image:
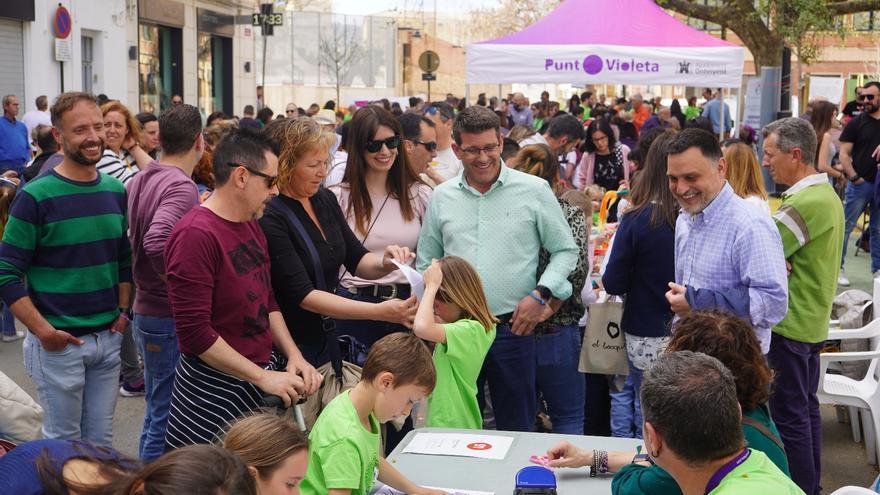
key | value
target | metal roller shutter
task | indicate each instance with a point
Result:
(11, 60)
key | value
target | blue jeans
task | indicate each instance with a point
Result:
(77, 386)
(558, 379)
(510, 370)
(8, 323)
(626, 407)
(856, 197)
(157, 342)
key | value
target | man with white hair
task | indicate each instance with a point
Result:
(291, 111)
(659, 119)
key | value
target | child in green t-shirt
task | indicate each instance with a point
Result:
(464, 333)
(344, 456)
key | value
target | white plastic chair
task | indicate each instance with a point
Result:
(863, 394)
(853, 490)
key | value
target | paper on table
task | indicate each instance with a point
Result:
(416, 282)
(459, 444)
(387, 490)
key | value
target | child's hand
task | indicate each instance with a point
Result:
(433, 275)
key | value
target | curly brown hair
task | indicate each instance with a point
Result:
(732, 341)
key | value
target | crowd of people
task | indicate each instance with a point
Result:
(218, 265)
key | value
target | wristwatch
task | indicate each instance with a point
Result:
(545, 292)
(642, 457)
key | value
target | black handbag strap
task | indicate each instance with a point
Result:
(328, 326)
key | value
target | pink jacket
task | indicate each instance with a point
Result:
(588, 163)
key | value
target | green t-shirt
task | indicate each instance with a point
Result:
(810, 221)
(342, 453)
(635, 479)
(757, 475)
(691, 112)
(453, 404)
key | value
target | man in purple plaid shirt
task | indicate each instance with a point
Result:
(728, 254)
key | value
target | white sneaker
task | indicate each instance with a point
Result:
(842, 280)
(19, 334)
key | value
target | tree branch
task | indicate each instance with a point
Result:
(691, 9)
(853, 6)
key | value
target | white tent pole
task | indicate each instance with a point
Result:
(467, 94)
(721, 118)
(739, 106)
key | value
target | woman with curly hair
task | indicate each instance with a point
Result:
(558, 339)
(732, 341)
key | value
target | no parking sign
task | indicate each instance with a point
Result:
(63, 22)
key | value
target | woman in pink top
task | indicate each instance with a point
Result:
(383, 201)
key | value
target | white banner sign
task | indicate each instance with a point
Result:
(752, 110)
(827, 88)
(604, 64)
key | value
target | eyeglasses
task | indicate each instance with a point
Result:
(866, 97)
(492, 148)
(271, 180)
(599, 139)
(375, 145)
(429, 145)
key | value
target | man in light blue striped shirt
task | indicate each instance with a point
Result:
(498, 219)
(728, 254)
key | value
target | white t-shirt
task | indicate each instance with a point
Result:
(759, 203)
(337, 169)
(447, 164)
(535, 138)
(33, 119)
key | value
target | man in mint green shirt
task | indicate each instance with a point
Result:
(498, 219)
(811, 223)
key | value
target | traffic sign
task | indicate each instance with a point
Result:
(62, 22)
(429, 61)
(427, 76)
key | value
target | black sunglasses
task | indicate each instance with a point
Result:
(375, 145)
(429, 145)
(271, 180)
(865, 97)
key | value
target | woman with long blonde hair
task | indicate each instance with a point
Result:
(454, 295)
(744, 175)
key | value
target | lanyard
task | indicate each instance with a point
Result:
(724, 470)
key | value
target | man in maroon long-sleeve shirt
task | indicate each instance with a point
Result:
(157, 199)
(225, 313)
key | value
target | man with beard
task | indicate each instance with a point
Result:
(728, 255)
(499, 219)
(225, 314)
(859, 143)
(519, 111)
(67, 235)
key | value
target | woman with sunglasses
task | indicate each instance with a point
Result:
(306, 294)
(383, 201)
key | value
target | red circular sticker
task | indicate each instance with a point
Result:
(479, 446)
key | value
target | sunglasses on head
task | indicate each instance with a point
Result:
(271, 180)
(375, 145)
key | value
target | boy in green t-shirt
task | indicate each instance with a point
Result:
(465, 331)
(344, 457)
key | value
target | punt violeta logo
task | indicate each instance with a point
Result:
(594, 64)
